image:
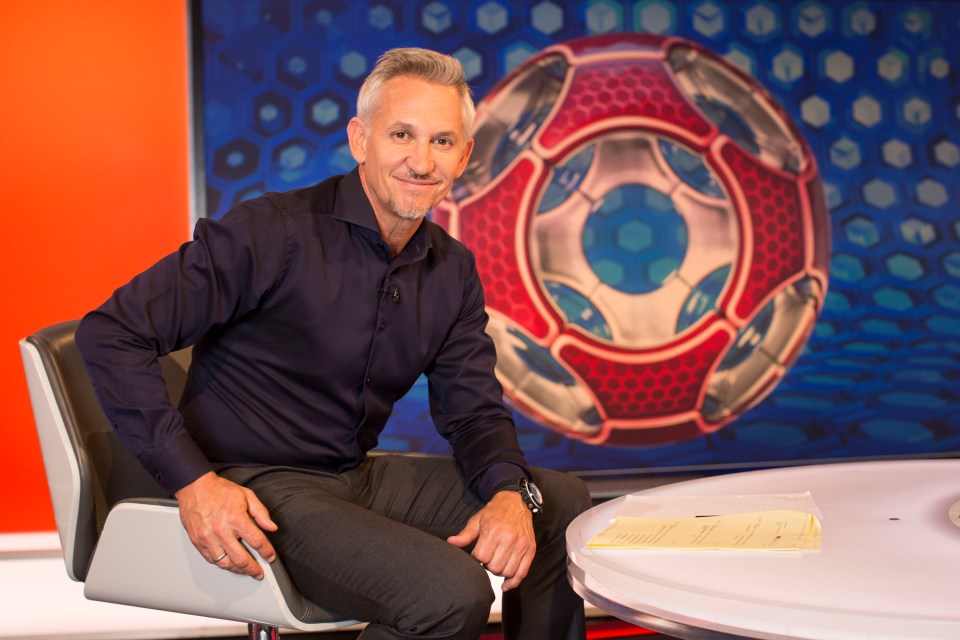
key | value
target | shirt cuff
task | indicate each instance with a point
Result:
(497, 473)
(176, 463)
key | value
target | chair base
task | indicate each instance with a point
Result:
(262, 632)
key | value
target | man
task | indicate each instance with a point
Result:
(311, 312)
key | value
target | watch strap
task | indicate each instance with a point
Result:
(527, 490)
(511, 484)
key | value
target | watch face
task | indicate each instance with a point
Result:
(534, 495)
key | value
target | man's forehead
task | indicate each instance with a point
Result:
(417, 103)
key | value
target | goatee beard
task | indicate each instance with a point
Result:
(409, 211)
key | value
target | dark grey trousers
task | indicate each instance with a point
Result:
(370, 544)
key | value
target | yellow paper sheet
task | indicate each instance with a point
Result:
(775, 530)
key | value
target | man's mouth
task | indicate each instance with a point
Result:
(417, 181)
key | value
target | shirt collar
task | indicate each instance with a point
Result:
(352, 205)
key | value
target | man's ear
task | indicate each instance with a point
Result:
(465, 157)
(357, 136)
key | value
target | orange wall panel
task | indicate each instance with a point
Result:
(94, 165)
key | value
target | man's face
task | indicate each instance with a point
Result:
(411, 149)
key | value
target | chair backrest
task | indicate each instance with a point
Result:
(88, 469)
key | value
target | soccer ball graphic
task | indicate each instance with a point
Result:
(651, 233)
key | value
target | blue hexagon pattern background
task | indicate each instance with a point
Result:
(873, 86)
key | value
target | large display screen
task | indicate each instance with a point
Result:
(712, 235)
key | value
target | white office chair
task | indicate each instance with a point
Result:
(120, 534)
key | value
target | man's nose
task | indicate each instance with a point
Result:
(420, 161)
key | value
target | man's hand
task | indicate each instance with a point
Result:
(503, 531)
(217, 515)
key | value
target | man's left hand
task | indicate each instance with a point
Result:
(503, 532)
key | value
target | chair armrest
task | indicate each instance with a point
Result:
(144, 558)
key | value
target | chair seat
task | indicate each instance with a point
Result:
(144, 558)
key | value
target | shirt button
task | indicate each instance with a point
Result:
(382, 326)
(368, 380)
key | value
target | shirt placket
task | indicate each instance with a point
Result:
(388, 294)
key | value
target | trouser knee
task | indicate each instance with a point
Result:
(564, 497)
(457, 606)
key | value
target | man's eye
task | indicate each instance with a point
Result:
(401, 135)
(443, 142)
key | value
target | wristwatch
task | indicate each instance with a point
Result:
(527, 490)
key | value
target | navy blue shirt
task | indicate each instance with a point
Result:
(306, 332)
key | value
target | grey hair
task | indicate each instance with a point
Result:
(424, 64)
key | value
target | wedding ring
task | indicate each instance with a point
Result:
(219, 558)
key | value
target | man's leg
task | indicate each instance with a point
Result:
(360, 564)
(545, 606)
(377, 537)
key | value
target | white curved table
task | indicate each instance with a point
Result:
(889, 567)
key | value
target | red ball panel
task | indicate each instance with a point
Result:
(489, 227)
(624, 88)
(650, 388)
(775, 221)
